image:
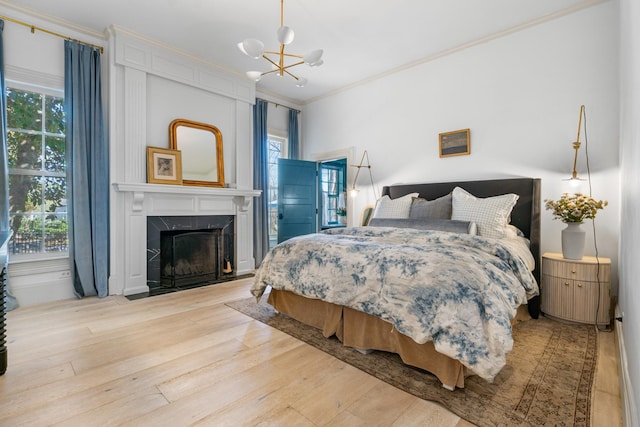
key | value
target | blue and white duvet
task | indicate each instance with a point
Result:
(457, 290)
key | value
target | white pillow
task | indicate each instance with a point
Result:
(512, 232)
(490, 214)
(394, 208)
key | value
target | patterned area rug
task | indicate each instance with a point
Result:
(548, 378)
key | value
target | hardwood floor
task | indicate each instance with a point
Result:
(187, 359)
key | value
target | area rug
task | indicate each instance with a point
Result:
(548, 378)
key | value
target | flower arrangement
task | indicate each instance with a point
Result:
(341, 211)
(575, 207)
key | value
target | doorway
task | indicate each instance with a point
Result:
(332, 189)
(336, 163)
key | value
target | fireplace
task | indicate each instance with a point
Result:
(135, 250)
(189, 251)
(190, 257)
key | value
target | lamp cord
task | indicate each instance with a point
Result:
(593, 222)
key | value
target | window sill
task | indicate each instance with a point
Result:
(26, 266)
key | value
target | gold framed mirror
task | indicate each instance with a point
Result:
(201, 148)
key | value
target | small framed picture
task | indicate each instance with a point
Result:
(164, 166)
(455, 143)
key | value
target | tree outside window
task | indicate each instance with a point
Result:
(37, 172)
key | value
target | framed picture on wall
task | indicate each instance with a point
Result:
(455, 143)
(164, 166)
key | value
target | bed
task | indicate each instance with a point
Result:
(442, 296)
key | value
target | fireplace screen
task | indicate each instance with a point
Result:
(190, 257)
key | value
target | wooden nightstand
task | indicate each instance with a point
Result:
(570, 288)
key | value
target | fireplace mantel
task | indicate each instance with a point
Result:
(241, 197)
(141, 200)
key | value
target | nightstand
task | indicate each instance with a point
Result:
(570, 288)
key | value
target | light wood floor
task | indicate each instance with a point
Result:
(187, 359)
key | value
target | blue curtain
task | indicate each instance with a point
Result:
(10, 300)
(88, 165)
(294, 138)
(260, 181)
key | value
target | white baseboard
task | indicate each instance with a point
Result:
(629, 410)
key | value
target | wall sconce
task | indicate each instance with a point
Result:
(576, 146)
(354, 191)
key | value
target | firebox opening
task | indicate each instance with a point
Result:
(184, 252)
(190, 257)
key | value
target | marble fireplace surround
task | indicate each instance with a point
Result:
(143, 200)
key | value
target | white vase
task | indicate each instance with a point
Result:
(573, 241)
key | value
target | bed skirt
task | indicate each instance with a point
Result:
(366, 332)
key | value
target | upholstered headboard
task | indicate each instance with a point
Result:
(525, 214)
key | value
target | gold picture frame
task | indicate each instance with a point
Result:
(455, 143)
(164, 166)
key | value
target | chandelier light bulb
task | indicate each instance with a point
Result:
(254, 75)
(253, 48)
(301, 82)
(285, 35)
(314, 58)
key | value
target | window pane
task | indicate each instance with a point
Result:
(24, 151)
(27, 235)
(25, 195)
(55, 233)
(55, 193)
(275, 152)
(54, 119)
(55, 160)
(24, 110)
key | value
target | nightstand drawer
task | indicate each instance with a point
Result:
(575, 270)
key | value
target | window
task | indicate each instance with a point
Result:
(332, 192)
(277, 149)
(37, 172)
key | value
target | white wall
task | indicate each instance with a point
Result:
(630, 188)
(520, 95)
(168, 100)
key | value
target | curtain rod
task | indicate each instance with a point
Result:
(53, 33)
(279, 105)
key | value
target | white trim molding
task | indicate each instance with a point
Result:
(629, 409)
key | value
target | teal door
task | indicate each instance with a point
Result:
(297, 197)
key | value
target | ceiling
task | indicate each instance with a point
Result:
(360, 40)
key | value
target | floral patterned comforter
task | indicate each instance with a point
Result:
(457, 290)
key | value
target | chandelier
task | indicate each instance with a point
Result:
(255, 49)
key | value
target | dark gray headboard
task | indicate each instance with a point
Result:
(525, 215)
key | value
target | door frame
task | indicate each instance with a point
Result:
(349, 154)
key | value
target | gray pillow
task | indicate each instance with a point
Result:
(462, 227)
(439, 208)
